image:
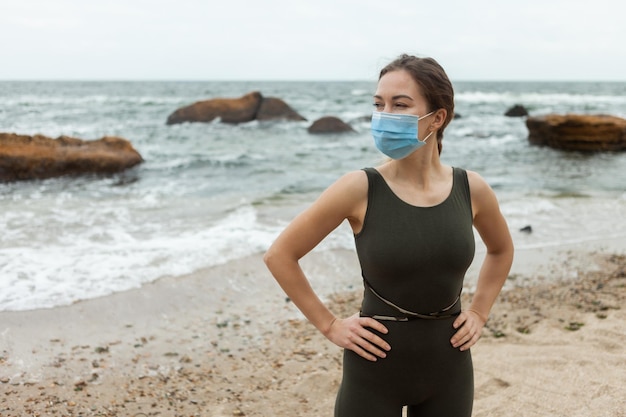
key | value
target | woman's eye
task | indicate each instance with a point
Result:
(378, 105)
(401, 105)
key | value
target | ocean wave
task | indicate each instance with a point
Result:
(107, 258)
(539, 99)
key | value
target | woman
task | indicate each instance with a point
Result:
(412, 219)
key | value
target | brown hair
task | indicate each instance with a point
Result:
(434, 83)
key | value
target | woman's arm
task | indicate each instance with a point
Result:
(345, 199)
(494, 232)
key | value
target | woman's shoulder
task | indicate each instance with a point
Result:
(347, 194)
(483, 197)
(353, 181)
(476, 182)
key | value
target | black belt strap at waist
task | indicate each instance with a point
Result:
(411, 315)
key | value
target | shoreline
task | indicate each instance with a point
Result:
(62, 274)
(205, 344)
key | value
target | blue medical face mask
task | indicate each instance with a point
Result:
(395, 134)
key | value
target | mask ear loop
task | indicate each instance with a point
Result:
(426, 138)
(420, 118)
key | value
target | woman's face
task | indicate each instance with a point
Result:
(397, 92)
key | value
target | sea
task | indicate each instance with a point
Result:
(211, 193)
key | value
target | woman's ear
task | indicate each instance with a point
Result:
(440, 118)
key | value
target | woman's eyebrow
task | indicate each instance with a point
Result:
(399, 96)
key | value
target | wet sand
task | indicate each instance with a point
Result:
(199, 345)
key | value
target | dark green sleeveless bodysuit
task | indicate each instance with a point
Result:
(413, 262)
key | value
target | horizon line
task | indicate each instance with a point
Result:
(469, 80)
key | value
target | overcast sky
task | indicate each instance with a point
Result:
(310, 40)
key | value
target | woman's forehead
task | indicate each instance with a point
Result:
(398, 82)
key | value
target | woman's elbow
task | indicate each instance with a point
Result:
(274, 256)
(269, 257)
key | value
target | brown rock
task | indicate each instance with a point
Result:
(578, 132)
(516, 111)
(329, 124)
(229, 110)
(36, 157)
(276, 109)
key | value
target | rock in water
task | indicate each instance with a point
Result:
(229, 110)
(25, 157)
(329, 124)
(578, 132)
(273, 108)
(516, 111)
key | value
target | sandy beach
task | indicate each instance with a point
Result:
(198, 345)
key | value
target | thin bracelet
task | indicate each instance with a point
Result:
(480, 316)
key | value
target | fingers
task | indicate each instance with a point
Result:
(367, 350)
(466, 341)
(366, 343)
(353, 333)
(469, 331)
(374, 324)
(369, 341)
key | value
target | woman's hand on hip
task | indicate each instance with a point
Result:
(469, 325)
(353, 333)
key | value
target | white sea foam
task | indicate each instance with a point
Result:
(559, 221)
(95, 251)
(113, 256)
(537, 98)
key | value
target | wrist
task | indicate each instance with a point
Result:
(329, 326)
(483, 317)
